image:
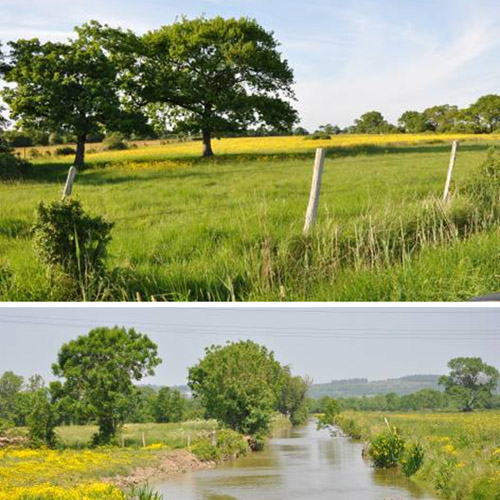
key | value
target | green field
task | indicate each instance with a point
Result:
(461, 450)
(230, 228)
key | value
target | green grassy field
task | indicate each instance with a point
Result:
(462, 450)
(230, 228)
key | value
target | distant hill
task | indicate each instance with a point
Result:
(365, 387)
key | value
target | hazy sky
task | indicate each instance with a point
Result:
(348, 57)
(327, 343)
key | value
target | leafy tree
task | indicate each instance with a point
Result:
(215, 75)
(485, 112)
(70, 88)
(42, 419)
(413, 122)
(10, 388)
(329, 129)
(371, 122)
(292, 400)
(470, 382)
(169, 406)
(442, 118)
(238, 385)
(99, 369)
(331, 409)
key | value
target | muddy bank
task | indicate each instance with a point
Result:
(170, 462)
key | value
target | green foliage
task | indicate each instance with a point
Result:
(413, 459)
(238, 385)
(13, 168)
(99, 370)
(168, 406)
(414, 122)
(387, 449)
(68, 239)
(292, 400)
(144, 492)
(485, 112)
(10, 387)
(470, 382)
(216, 75)
(42, 420)
(65, 151)
(114, 142)
(330, 412)
(484, 186)
(70, 88)
(372, 122)
(228, 444)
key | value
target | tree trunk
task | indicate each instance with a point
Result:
(207, 144)
(80, 150)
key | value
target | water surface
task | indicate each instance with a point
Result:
(300, 464)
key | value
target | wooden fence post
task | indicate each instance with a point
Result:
(214, 438)
(453, 157)
(312, 207)
(69, 182)
(143, 440)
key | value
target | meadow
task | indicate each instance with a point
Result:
(77, 472)
(230, 228)
(462, 450)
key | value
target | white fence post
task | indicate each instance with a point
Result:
(312, 207)
(453, 157)
(69, 182)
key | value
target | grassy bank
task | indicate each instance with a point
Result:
(229, 228)
(462, 451)
(76, 472)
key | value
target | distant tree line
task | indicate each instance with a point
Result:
(239, 384)
(469, 386)
(481, 117)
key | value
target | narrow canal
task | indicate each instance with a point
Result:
(299, 464)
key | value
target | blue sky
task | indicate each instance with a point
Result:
(348, 57)
(324, 343)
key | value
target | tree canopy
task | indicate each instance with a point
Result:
(238, 384)
(70, 87)
(471, 382)
(215, 75)
(98, 371)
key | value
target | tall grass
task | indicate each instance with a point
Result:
(230, 229)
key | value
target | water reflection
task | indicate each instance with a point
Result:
(301, 464)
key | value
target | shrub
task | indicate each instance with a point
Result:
(387, 449)
(114, 141)
(65, 151)
(144, 492)
(41, 420)
(413, 459)
(68, 238)
(206, 451)
(12, 168)
(317, 136)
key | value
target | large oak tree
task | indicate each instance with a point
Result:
(70, 87)
(212, 76)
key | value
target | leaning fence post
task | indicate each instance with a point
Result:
(453, 157)
(312, 207)
(69, 182)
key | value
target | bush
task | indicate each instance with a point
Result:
(413, 459)
(229, 444)
(42, 421)
(386, 450)
(206, 451)
(65, 151)
(114, 141)
(317, 136)
(12, 168)
(68, 238)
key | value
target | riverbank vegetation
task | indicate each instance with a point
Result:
(72, 440)
(461, 450)
(382, 233)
